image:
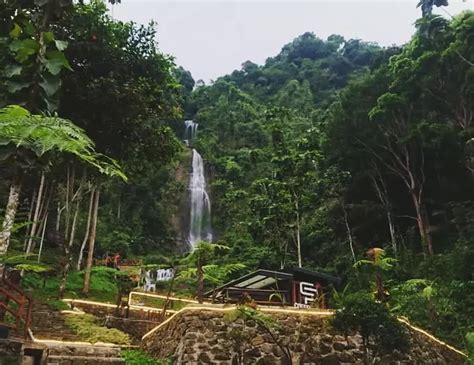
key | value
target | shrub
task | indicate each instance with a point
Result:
(381, 332)
(470, 347)
(445, 308)
(87, 327)
(137, 357)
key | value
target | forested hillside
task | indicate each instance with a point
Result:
(109, 78)
(336, 155)
(337, 146)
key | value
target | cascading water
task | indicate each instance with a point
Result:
(200, 212)
(200, 221)
(190, 132)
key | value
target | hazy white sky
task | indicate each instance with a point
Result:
(213, 38)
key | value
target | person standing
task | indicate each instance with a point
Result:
(116, 261)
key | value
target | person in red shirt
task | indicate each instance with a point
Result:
(116, 260)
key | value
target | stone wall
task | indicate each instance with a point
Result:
(134, 327)
(197, 336)
(110, 310)
(11, 352)
(14, 351)
(136, 324)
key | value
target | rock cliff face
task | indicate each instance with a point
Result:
(180, 218)
(207, 337)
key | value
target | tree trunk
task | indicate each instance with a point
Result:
(298, 234)
(119, 208)
(391, 228)
(70, 196)
(42, 237)
(67, 251)
(43, 213)
(30, 215)
(118, 300)
(36, 215)
(90, 254)
(423, 225)
(10, 213)
(379, 285)
(88, 225)
(349, 233)
(383, 197)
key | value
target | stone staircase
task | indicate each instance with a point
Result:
(14, 350)
(74, 353)
(49, 324)
(65, 348)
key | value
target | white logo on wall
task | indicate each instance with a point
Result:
(308, 294)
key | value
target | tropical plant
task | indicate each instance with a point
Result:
(26, 134)
(381, 332)
(470, 347)
(214, 274)
(442, 307)
(36, 57)
(199, 257)
(27, 139)
(427, 5)
(379, 262)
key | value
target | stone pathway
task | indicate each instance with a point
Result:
(65, 347)
(63, 353)
(49, 324)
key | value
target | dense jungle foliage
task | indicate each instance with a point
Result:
(330, 149)
(337, 146)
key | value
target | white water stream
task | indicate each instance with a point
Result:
(190, 132)
(200, 204)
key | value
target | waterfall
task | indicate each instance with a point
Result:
(200, 204)
(190, 132)
(200, 220)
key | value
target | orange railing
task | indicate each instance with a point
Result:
(16, 303)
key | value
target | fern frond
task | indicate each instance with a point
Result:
(41, 135)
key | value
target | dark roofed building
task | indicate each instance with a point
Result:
(299, 288)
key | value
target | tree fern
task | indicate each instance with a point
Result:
(40, 135)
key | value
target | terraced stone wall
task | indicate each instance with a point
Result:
(208, 337)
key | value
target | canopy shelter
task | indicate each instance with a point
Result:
(300, 288)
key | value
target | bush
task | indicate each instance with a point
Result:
(381, 332)
(87, 327)
(137, 357)
(470, 347)
(445, 308)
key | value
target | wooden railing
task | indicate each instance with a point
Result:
(15, 302)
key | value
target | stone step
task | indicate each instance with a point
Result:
(84, 360)
(50, 324)
(72, 349)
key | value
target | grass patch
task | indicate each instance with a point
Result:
(57, 305)
(157, 302)
(138, 357)
(103, 287)
(88, 328)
